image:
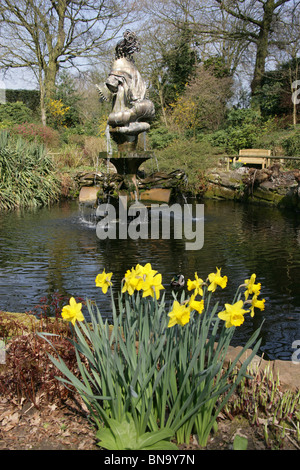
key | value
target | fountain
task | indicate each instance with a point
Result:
(130, 117)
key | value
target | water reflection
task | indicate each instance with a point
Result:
(55, 250)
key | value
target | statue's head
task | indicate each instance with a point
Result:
(127, 46)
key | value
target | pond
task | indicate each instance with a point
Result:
(56, 250)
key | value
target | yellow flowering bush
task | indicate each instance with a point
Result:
(57, 111)
(156, 370)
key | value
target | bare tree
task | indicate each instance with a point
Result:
(259, 17)
(45, 35)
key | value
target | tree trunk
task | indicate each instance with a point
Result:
(294, 100)
(262, 47)
(48, 88)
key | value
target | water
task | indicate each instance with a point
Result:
(56, 250)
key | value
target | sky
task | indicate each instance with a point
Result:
(18, 79)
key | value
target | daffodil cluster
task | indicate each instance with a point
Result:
(149, 281)
(143, 278)
(252, 288)
(180, 313)
(233, 315)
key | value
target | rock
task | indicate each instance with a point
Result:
(88, 194)
(268, 186)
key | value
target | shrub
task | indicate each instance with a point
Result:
(92, 147)
(191, 156)
(232, 140)
(161, 137)
(37, 133)
(27, 174)
(5, 124)
(28, 373)
(291, 145)
(15, 112)
(241, 131)
(57, 113)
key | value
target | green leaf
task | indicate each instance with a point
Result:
(240, 443)
(123, 436)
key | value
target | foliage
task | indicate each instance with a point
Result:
(275, 95)
(291, 145)
(190, 155)
(240, 443)
(30, 98)
(28, 373)
(202, 105)
(67, 93)
(27, 174)
(164, 370)
(37, 133)
(241, 130)
(57, 113)
(160, 137)
(123, 436)
(5, 124)
(180, 60)
(263, 402)
(15, 113)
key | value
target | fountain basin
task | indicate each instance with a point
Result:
(126, 163)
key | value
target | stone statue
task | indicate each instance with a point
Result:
(131, 110)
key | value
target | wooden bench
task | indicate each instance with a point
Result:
(254, 156)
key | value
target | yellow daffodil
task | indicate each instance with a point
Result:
(197, 305)
(179, 315)
(196, 285)
(255, 303)
(233, 315)
(152, 285)
(72, 312)
(147, 270)
(216, 279)
(131, 281)
(251, 287)
(103, 280)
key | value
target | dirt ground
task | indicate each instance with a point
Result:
(65, 427)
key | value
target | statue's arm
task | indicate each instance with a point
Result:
(104, 93)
